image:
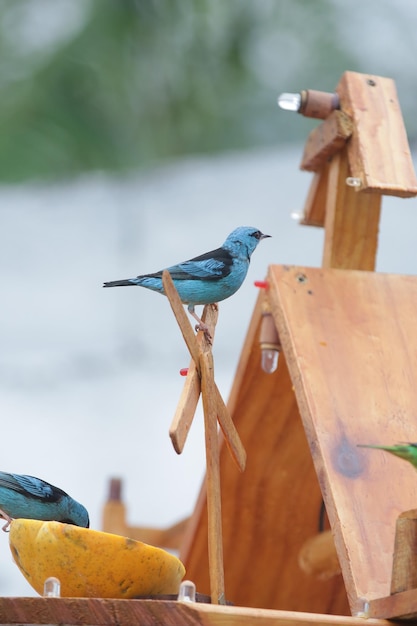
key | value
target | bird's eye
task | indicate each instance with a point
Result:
(257, 234)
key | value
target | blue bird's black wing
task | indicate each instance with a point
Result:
(35, 487)
(208, 266)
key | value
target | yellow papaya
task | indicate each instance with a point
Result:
(90, 563)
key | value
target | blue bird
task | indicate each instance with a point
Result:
(208, 278)
(28, 497)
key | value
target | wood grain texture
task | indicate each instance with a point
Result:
(350, 340)
(404, 567)
(270, 510)
(199, 348)
(325, 140)
(351, 221)
(184, 414)
(99, 612)
(398, 606)
(315, 205)
(180, 315)
(214, 515)
(378, 149)
(94, 611)
(230, 434)
(186, 408)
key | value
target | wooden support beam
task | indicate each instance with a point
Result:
(315, 206)
(187, 405)
(214, 515)
(199, 348)
(351, 222)
(203, 359)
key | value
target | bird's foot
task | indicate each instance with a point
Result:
(205, 329)
(201, 325)
(8, 519)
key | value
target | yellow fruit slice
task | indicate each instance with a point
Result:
(90, 563)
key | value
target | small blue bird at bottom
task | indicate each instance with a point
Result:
(208, 278)
(27, 497)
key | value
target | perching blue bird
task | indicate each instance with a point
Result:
(208, 278)
(28, 497)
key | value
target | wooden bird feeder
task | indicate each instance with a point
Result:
(315, 530)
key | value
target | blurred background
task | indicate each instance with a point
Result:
(136, 134)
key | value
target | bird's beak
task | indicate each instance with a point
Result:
(265, 236)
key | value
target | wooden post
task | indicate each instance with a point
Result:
(351, 222)
(214, 409)
(215, 534)
(404, 567)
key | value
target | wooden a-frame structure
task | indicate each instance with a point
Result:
(346, 376)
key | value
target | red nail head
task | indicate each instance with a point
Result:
(262, 284)
(184, 371)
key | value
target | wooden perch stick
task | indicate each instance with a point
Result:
(200, 379)
(189, 399)
(181, 317)
(187, 405)
(184, 415)
(215, 534)
(230, 433)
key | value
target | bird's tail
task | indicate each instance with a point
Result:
(119, 283)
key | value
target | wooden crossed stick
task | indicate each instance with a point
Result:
(200, 380)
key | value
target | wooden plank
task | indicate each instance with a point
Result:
(350, 339)
(229, 432)
(199, 348)
(94, 611)
(378, 151)
(315, 206)
(181, 317)
(184, 414)
(214, 514)
(325, 140)
(264, 523)
(186, 408)
(108, 612)
(398, 606)
(351, 221)
(243, 616)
